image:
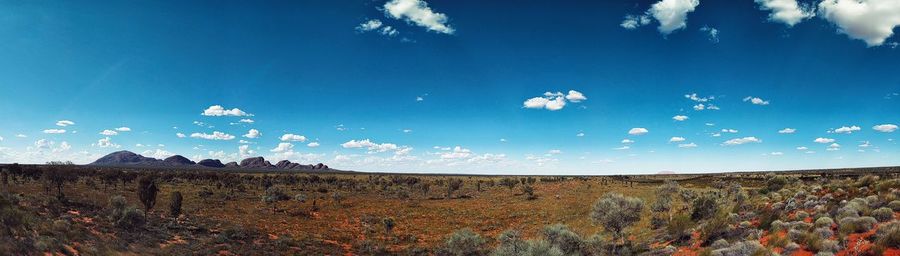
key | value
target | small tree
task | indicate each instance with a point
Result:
(453, 185)
(273, 195)
(147, 191)
(529, 192)
(175, 204)
(388, 224)
(616, 212)
(509, 183)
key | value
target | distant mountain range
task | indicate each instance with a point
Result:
(128, 158)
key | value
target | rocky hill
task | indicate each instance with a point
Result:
(128, 158)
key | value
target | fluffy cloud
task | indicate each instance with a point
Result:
(845, 129)
(418, 12)
(638, 131)
(676, 139)
(313, 144)
(776, 153)
(688, 145)
(885, 127)
(217, 110)
(283, 147)
(787, 130)
(627, 141)
(635, 21)
(802, 148)
(739, 141)
(580, 134)
(834, 147)
(247, 121)
(823, 140)
(554, 101)
(672, 14)
(109, 133)
(106, 143)
(377, 25)
(375, 147)
(123, 129)
(293, 137)
(216, 135)
(729, 130)
(679, 118)
(245, 151)
(55, 131)
(712, 33)
(64, 123)
(180, 135)
(158, 153)
(756, 100)
(872, 21)
(253, 134)
(786, 11)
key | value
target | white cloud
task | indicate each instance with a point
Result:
(55, 131)
(106, 143)
(123, 129)
(216, 135)
(158, 153)
(247, 121)
(283, 147)
(369, 25)
(622, 148)
(180, 135)
(293, 137)
(865, 144)
(802, 148)
(1, 138)
(872, 21)
(638, 131)
(776, 153)
(109, 133)
(788, 12)
(712, 33)
(823, 140)
(787, 130)
(217, 110)
(245, 151)
(313, 144)
(845, 129)
(676, 139)
(575, 96)
(627, 141)
(834, 147)
(21, 136)
(885, 127)
(418, 12)
(407, 130)
(457, 153)
(635, 21)
(252, 133)
(554, 101)
(554, 152)
(64, 123)
(756, 100)
(680, 118)
(729, 130)
(373, 147)
(502, 140)
(43, 144)
(580, 134)
(744, 140)
(420, 98)
(672, 14)
(717, 134)
(688, 145)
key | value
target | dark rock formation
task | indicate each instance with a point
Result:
(232, 165)
(214, 163)
(255, 163)
(125, 157)
(178, 160)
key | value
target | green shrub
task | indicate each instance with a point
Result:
(561, 236)
(511, 244)
(616, 212)
(132, 219)
(464, 242)
(883, 214)
(704, 206)
(888, 235)
(824, 222)
(856, 224)
(175, 204)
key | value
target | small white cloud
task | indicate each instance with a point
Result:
(672, 14)
(823, 140)
(313, 144)
(369, 25)
(106, 143)
(109, 133)
(688, 145)
(627, 141)
(418, 12)
(865, 144)
(676, 139)
(180, 135)
(834, 147)
(635, 21)
(247, 121)
(712, 33)
(252, 133)
(885, 127)
(293, 137)
(802, 148)
(717, 134)
(580, 134)
(845, 129)
(216, 135)
(575, 96)
(123, 129)
(420, 98)
(788, 12)
(756, 100)
(21, 136)
(787, 130)
(55, 131)
(64, 123)
(622, 148)
(638, 131)
(502, 140)
(729, 130)
(739, 141)
(407, 130)
(680, 118)
(217, 110)
(283, 147)
(554, 152)
(776, 153)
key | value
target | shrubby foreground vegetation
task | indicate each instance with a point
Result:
(74, 210)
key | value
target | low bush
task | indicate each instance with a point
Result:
(463, 242)
(856, 224)
(888, 235)
(883, 214)
(566, 240)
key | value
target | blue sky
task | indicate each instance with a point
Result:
(457, 86)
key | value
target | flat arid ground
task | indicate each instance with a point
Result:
(73, 210)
